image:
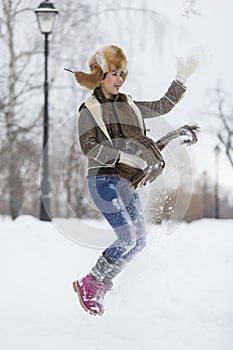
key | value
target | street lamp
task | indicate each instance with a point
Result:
(217, 151)
(46, 14)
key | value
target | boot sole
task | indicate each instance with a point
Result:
(76, 289)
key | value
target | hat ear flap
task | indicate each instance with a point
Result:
(89, 81)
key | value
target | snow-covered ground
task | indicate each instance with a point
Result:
(176, 295)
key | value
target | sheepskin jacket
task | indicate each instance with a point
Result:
(99, 134)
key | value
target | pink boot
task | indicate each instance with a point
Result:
(91, 294)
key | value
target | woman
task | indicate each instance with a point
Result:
(108, 120)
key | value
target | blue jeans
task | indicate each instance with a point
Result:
(120, 205)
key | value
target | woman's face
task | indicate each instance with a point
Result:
(112, 83)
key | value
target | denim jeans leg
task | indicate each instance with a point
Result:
(134, 209)
(120, 205)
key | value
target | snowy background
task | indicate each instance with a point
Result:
(177, 294)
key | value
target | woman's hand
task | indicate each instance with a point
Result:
(186, 68)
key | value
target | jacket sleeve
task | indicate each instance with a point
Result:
(173, 95)
(93, 144)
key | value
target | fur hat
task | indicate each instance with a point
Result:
(107, 59)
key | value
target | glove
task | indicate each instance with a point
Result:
(185, 69)
(132, 160)
(190, 132)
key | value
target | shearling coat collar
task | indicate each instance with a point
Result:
(118, 116)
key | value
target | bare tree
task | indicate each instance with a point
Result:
(190, 8)
(225, 135)
(225, 130)
(16, 89)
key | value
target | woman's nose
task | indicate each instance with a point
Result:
(119, 78)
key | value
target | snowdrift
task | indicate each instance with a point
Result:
(177, 294)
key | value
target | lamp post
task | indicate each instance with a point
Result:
(46, 14)
(216, 192)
